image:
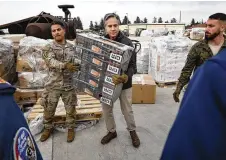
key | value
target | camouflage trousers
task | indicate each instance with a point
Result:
(50, 100)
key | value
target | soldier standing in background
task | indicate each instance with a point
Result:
(59, 58)
(203, 50)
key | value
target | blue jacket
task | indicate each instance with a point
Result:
(15, 137)
(199, 130)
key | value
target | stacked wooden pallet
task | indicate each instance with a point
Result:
(89, 108)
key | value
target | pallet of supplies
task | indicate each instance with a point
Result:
(7, 61)
(167, 57)
(88, 108)
(32, 70)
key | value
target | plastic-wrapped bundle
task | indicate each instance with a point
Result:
(197, 33)
(157, 32)
(7, 61)
(32, 80)
(29, 57)
(167, 58)
(143, 58)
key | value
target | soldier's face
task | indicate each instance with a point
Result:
(58, 32)
(112, 27)
(213, 29)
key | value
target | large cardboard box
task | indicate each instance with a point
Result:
(102, 58)
(144, 89)
(24, 96)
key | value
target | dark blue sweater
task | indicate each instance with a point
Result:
(199, 131)
(14, 131)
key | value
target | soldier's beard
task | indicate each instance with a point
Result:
(212, 36)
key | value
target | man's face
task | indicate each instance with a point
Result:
(112, 27)
(58, 32)
(213, 29)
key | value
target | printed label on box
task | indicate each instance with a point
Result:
(95, 73)
(116, 57)
(105, 100)
(109, 80)
(94, 84)
(113, 69)
(96, 49)
(97, 62)
(108, 91)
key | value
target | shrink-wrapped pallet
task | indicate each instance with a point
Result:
(29, 57)
(167, 58)
(7, 61)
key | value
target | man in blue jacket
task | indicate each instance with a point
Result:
(16, 141)
(199, 131)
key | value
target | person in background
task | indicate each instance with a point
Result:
(201, 51)
(14, 128)
(198, 132)
(61, 62)
(111, 22)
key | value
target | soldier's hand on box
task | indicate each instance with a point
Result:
(71, 67)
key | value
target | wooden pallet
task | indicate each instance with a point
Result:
(89, 108)
(166, 84)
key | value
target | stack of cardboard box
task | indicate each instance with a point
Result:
(101, 59)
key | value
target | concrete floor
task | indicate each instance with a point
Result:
(153, 123)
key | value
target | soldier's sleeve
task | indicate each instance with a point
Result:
(188, 67)
(50, 58)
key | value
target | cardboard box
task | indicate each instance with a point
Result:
(23, 96)
(144, 89)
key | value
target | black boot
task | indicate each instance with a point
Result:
(106, 139)
(135, 139)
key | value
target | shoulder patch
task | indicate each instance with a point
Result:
(23, 145)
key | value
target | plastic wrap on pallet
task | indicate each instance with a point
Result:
(197, 33)
(155, 32)
(101, 58)
(29, 57)
(7, 61)
(143, 58)
(32, 80)
(167, 57)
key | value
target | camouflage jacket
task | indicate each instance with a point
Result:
(56, 56)
(198, 54)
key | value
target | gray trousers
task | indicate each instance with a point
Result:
(126, 108)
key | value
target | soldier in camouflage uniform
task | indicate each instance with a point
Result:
(200, 52)
(61, 62)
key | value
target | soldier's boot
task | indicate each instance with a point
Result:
(46, 134)
(106, 139)
(70, 135)
(135, 139)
